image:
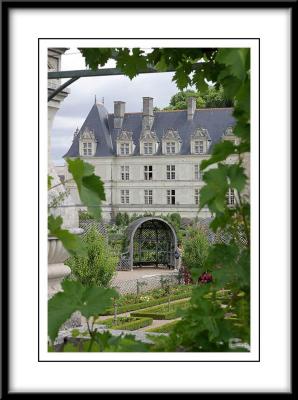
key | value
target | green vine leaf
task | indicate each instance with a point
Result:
(181, 76)
(237, 177)
(220, 152)
(131, 63)
(236, 60)
(90, 301)
(90, 186)
(72, 243)
(214, 192)
(96, 56)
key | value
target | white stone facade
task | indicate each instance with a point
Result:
(128, 174)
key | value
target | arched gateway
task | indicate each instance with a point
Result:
(150, 241)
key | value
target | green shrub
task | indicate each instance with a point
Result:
(126, 323)
(175, 218)
(195, 251)
(99, 266)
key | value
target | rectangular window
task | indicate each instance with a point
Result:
(197, 172)
(148, 148)
(170, 147)
(170, 171)
(124, 196)
(171, 196)
(87, 149)
(148, 174)
(124, 149)
(199, 147)
(125, 172)
(148, 197)
(230, 196)
(196, 196)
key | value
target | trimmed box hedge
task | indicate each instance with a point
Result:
(131, 324)
(146, 304)
(161, 312)
(166, 328)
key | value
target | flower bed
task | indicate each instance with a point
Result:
(152, 295)
(138, 306)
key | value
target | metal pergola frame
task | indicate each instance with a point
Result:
(143, 232)
(76, 74)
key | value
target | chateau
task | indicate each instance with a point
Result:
(149, 161)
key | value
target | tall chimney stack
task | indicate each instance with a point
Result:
(191, 107)
(119, 110)
(147, 112)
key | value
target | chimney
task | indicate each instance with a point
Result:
(119, 110)
(147, 112)
(191, 107)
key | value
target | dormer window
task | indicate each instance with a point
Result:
(148, 148)
(200, 141)
(87, 148)
(199, 147)
(125, 145)
(170, 147)
(171, 142)
(87, 142)
(124, 149)
(148, 142)
(229, 135)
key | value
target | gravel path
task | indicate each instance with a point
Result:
(137, 273)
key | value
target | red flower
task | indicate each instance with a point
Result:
(206, 277)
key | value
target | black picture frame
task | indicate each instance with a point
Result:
(6, 8)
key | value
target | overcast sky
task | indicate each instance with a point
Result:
(75, 108)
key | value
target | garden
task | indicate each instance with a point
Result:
(211, 305)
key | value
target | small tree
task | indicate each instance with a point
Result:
(125, 219)
(196, 248)
(98, 266)
(119, 219)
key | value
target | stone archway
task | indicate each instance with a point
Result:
(150, 241)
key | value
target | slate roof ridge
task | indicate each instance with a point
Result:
(199, 109)
(163, 111)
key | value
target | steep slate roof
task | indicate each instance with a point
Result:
(215, 120)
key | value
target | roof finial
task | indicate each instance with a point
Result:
(95, 99)
(103, 100)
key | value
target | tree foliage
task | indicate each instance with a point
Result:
(212, 98)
